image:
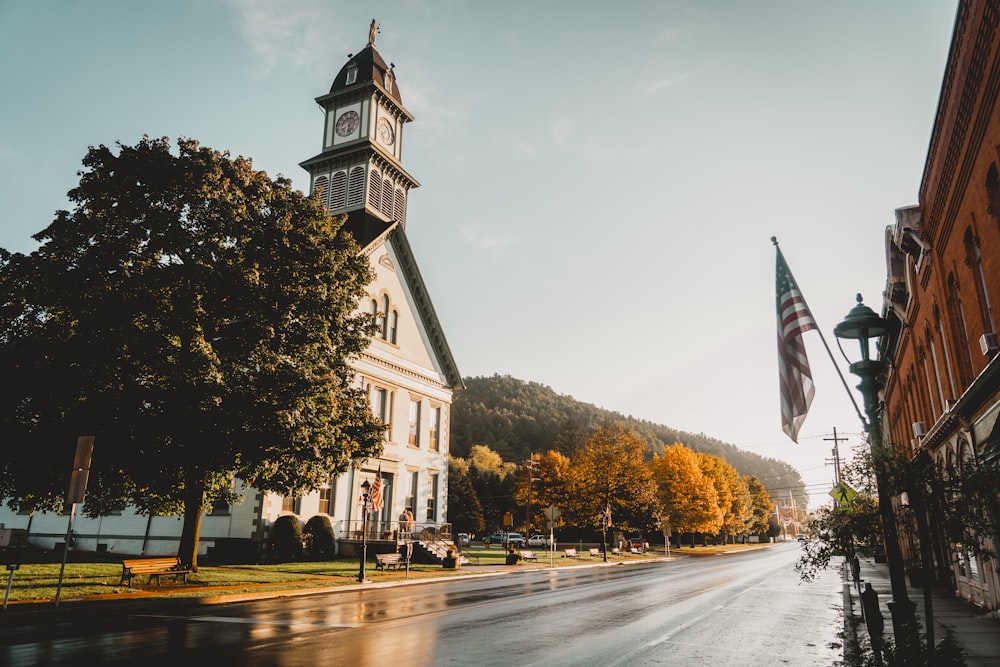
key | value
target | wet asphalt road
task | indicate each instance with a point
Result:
(746, 610)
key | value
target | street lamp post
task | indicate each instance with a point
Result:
(365, 487)
(863, 325)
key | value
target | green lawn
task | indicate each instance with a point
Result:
(83, 578)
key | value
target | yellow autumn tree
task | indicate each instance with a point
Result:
(734, 497)
(687, 499)
(609, 471)
(549, 473)
(761, 506)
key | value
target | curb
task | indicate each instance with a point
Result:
(23, 613)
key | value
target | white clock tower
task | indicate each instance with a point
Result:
(359, 170)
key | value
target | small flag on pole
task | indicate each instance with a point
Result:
(794, 319)
(377, 492)
(607, 515)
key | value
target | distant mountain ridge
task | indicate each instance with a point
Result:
(516, 418)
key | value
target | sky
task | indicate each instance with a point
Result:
(599, 181)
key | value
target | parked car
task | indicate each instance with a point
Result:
(540, 541)
(802, 537)
(499, 538)
(639, 543)
(462, 539)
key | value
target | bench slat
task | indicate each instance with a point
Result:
(389, 560)
(153, 568)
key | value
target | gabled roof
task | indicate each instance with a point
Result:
(421, 297)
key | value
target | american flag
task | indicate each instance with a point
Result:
(794, 319)
(376, 497)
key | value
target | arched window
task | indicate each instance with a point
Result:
(319, 189)
(383, 317)
(400, 206)
(993, 191)
(338, 191)
(960, 332)
(932, 347)
(949, 367)
(974, 260)
(375, 189)
(356, 186)
(387, 198)
(393, 326)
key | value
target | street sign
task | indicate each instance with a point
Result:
(552, 513)
(843, 494)
(508, 519)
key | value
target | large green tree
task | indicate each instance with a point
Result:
(465, 512)
(198, 318)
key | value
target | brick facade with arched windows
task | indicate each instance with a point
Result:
(942, 387)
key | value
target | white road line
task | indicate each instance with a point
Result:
(679, 628)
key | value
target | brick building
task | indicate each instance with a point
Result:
(942, 389)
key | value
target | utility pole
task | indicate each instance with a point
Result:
(531, 466)
(836, 455)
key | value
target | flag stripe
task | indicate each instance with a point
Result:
(377, 494)
(795, 376)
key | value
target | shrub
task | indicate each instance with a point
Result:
(286, 538)
(319, 537)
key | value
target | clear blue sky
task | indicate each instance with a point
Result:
(599, 180)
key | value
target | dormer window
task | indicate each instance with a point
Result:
(352, 75)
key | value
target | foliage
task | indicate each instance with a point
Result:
(840, 532)
(198, 318)
(687, 497)
(493, 482)
(733, 496)
(319, 539)
(285, 538)
(968, 502)
(551, 472)
(516, 419)
(761, 507)
(465, 512)
(609, 471)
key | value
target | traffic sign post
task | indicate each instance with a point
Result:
(552, 514)
(843, 494)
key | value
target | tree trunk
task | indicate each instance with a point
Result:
(194, 506)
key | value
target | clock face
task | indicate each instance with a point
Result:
(385, 133)
(347, 124)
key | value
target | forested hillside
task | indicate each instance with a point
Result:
(516, 418)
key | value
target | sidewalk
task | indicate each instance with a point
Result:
(977, 633)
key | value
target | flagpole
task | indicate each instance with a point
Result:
(829, 353)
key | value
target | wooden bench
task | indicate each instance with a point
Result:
(153, 568)
(595, 553)
(389, 561)
(570, 553)
(528, 555)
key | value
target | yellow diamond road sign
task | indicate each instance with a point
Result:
(843, 494)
